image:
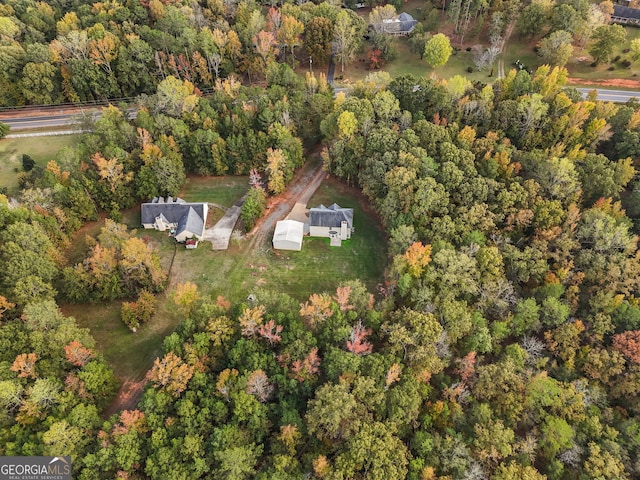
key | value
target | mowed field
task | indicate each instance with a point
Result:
(41, 149)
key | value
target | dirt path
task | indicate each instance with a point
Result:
(503, 48)
(300, 190)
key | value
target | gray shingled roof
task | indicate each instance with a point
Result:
(191, 222)
(626, 12)
(332, 216)
(173, 212)
(407, 22)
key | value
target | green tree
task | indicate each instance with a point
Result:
(375, 452)
(253, 207)
(515, 471)
(556, 49)
(346, 38)
(533, 19)
(334, 413)
(4, 129)
(437, 50)
(605, 39)
(634, 45)
(602, 178)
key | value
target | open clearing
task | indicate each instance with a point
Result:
(41, 149)
(244, 268)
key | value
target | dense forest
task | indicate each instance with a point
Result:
(506, 344)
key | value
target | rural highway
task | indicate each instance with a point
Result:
(46, 121)
(17, 122)
(616, 96)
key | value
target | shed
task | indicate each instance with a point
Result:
(288, 235)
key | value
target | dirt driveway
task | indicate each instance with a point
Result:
(300, 190)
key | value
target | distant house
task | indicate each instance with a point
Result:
(625, 15)
(184, 220)
(403, 24)
(333, 222)
(288, 235)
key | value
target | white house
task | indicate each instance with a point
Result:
(288, 235)
(332, 222)
(186, 220)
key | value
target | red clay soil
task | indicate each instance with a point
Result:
(612, 82)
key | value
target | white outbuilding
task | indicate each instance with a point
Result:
(288, 235)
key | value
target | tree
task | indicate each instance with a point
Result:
(276, 164)
(25, 365)
(135, 314)
(414, 335)
(253, 207)
(258, 385)
(163, 171)
(4, 129)
(374, 452)
(556, 49)
(318, 35)
(437, 50)
(289, 34)
(185, 297)
(379, 14)
(38, 83)
(345, 38)
(77, 354)
(175, 97)
(112, 171)
(605, 39)
(635, 49)
(602, 178)
(171, 374)
(333, 414)
(266, 48)
(515, 471)
(628, 343)
(317, 309)
(357, 342)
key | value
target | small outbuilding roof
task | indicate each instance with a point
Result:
(331, 216)
(288, 235)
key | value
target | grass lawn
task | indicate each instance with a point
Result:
(129, 354)
(518, 48)
(221, 190)
(580, 65)
(319, 267)
(316, 268)
(41, 149)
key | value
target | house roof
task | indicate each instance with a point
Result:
(626, 12)
(331, 216)
(191, 222)
(172, 212)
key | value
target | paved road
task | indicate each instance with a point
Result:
(46, 121)
(65, 119)
(616, 96)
